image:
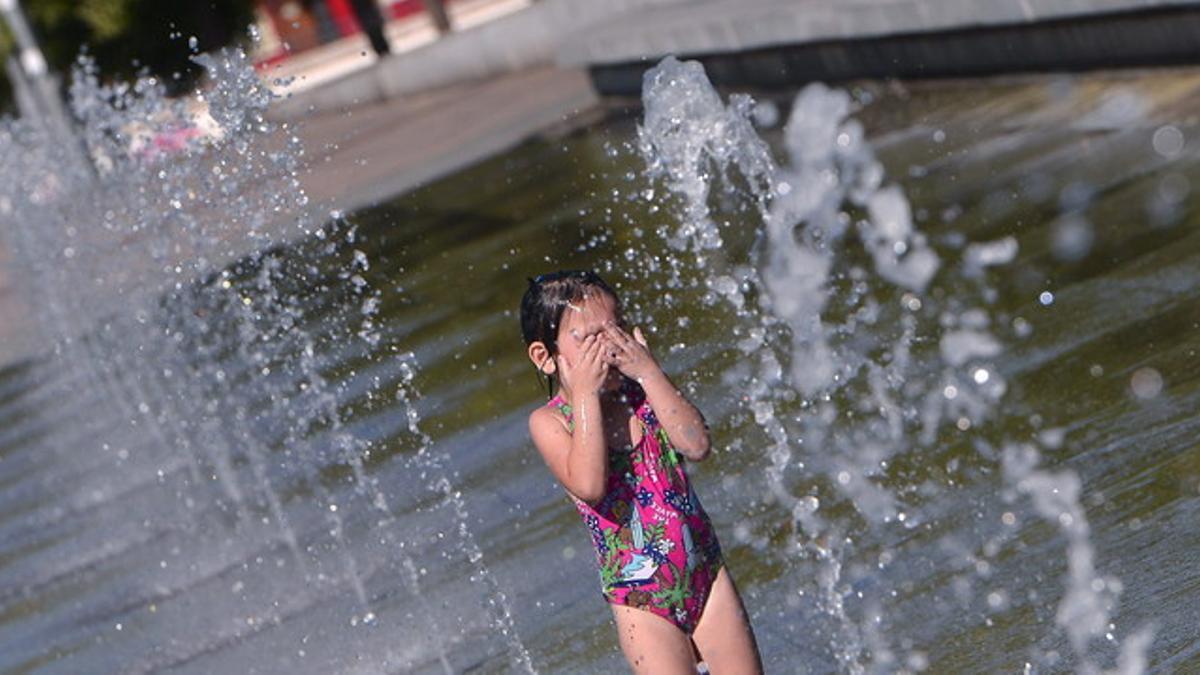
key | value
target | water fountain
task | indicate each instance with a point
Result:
(264, 435)
(198, 344)
(855, 370)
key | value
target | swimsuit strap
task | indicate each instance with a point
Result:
(565, 408)
(643, 411)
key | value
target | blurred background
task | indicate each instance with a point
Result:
(131, 38)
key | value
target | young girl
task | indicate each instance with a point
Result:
(612, 435)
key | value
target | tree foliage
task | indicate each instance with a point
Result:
(127, 37)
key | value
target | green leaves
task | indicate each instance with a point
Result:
(106, 19)
(675, 594)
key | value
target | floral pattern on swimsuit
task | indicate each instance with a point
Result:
(655, 545)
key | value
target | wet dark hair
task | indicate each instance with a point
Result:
(545, 301)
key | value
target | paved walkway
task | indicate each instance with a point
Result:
(378, 150)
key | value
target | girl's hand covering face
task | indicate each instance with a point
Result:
(590, 369)
(627, 353)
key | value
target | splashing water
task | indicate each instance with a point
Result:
(219, 452)
(200, 376)
(685, 138)
(854, 359)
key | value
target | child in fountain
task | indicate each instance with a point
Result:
(614, 435)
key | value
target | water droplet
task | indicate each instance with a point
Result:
(997, 600)
(1146, 383)
(1022, 327)
(1071, 238)
(1168, 141)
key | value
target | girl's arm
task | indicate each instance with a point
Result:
(682, 421)
(578, 460)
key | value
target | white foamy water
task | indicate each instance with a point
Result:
(850, 343)
(203, 320)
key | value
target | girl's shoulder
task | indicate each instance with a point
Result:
(555, 413)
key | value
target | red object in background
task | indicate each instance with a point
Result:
(340, 12)
(168, 141)
(343, 16)
(295, 28)
(402, 8)
(347, 22)
(398, 9)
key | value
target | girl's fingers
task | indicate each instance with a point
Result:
(616, 334)
(615, 349)
(593, 350)
(640, 337)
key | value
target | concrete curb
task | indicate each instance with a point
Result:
(739, 25)
(774, 44)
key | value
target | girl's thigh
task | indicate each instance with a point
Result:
(652, 644)
(723, 635)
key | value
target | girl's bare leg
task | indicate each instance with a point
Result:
(652, 644)
(723, 636)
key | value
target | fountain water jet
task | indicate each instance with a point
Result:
(173, 286)
(855, 384)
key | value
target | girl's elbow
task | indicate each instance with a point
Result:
(590, 492)
(696, 444)
(591, 496)
(699, 450)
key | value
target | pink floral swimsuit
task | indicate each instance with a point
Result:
(654, 544)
